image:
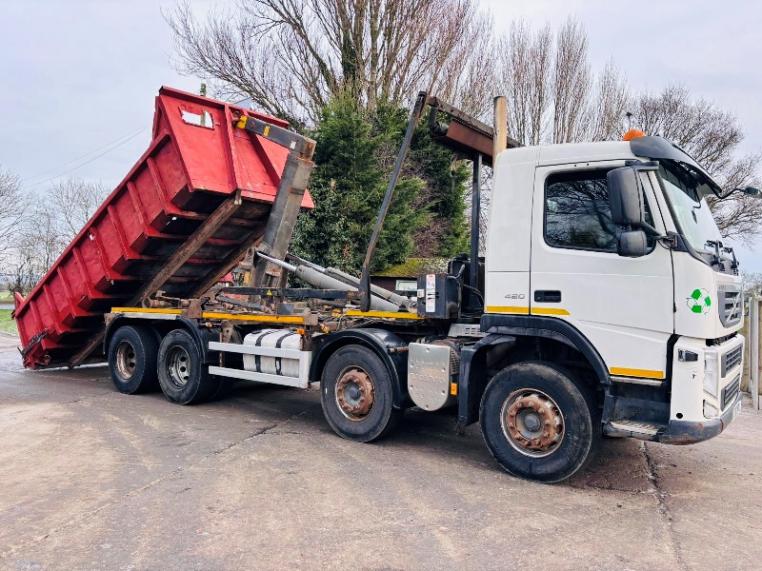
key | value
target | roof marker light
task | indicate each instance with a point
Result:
(633, 134)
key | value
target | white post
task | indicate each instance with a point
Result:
(754, 351)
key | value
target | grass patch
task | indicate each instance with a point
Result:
(6, 297)
(7, 325)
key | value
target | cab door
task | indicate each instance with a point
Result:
(623, 306)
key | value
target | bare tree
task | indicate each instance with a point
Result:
(35, 246)
(75, 201)
(48, 224)
(609, 106)
(704, 131)
(525, 65)
(553, 95)
(516, 64)
(711, 136)
(22, 276)
(469, 77)
(752, 283)
(571, 84)
(540, 54)
(291, 56)
(11, 209)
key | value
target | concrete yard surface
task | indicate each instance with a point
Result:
(93, 479)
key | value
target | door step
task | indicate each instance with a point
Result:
(633, 428)
(637, 381)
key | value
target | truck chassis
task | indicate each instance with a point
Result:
(371, 366)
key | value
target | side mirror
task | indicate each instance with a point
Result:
(633, 244)
(625, 197)
(626, 203)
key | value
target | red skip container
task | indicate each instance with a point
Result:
(196, 160)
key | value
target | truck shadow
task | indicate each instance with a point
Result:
(619, 465)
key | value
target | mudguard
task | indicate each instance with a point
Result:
(389, 347)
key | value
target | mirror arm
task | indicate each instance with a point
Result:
(724, 195)
(666, 239)
(748, 191)
(651, 231)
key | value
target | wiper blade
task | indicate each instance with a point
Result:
(715, 246)
(734, 260)
(717, 249)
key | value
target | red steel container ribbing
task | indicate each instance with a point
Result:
(195, 161)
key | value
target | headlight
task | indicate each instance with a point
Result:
(711, 373)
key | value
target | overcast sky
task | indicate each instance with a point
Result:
(78, 77)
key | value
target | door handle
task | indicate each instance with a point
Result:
(547, 296)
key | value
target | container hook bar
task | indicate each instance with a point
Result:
(415, 115)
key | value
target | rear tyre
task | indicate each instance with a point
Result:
(183, 375)
(538, 423)
(132, 353)
(357, 395)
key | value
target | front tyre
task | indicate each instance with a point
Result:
(538, 423)
(357, 395)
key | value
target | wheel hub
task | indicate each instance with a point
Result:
(355, 394)
(532, 422)
(178, 366)
(126, 360)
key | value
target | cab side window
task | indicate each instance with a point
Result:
(577, 213)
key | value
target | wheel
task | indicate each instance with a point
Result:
(357, 395)
(539, 424)
(183, 376)
(132, 354)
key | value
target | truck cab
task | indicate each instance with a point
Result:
(651, 304)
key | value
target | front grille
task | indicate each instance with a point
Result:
(731, 360)
(729, 392)
(730, 305)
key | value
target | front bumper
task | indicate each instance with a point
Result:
(689, 432)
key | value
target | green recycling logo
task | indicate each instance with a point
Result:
(699, 301)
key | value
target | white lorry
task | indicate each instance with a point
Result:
(605, 304)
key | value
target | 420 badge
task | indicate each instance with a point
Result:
(699, 301)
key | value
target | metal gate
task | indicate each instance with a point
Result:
(753, 348)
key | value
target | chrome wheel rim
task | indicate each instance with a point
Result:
(178, 366)
(126, 360)
(532, 423)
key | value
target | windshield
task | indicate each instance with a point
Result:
(686, 189)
